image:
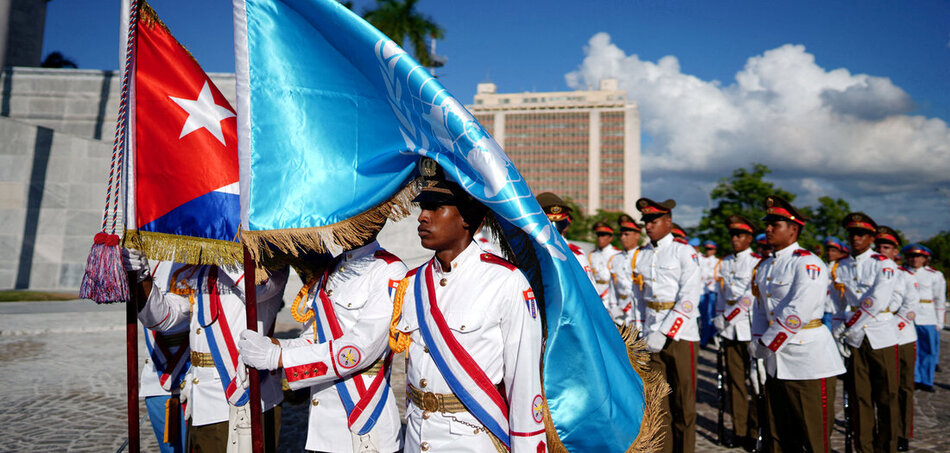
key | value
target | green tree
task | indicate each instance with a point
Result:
(56, 59)
(743, 194)
(940, 246)
(401, 21)
(826, 218)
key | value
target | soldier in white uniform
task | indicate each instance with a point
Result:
(341, 351)
(210, 299)
(671, 289)
(559, 213)
(800, 355)
(471, 328)
(623, 305)
(863, 287)
(709, 268)
(733, 322)
(599, 258)
(928, 323)
(904, 304)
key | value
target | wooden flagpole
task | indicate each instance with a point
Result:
(131, 307)
(250, 304)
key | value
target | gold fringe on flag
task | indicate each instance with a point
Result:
(184, 249)
(280, 246)
(655, 388)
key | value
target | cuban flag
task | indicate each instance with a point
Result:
(333, 116)
(182, 175)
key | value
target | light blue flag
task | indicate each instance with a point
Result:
(332, 117)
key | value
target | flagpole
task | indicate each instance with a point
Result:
(131, 307)
(250, 304)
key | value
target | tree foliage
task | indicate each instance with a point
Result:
(400, 21)
(940, 246)
(56, 59)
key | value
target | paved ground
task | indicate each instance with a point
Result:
(62, 371)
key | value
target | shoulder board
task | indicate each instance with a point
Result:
(905, 269)
(489, 258)
(756, 256)
(801, 252)
(389, 258)
(878, 257)
(576, 249)
(931, 269)
(681, 241)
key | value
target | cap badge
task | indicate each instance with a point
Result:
(555, 209)
(428, 167)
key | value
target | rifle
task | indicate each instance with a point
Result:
(757, 376)
(848, 423)
(721, 394)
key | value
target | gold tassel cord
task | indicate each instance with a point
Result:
(267, 245)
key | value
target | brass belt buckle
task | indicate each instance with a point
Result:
(430, 402)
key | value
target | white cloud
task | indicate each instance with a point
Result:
(846, 133)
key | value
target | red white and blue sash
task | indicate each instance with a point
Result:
(364, 404)
(170, 366)
(466, 379)
(224, 351)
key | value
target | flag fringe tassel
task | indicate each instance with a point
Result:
(185, 249)
(655, 389)
(266, 245)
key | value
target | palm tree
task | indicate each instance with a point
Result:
(400, 21)
(56, 59)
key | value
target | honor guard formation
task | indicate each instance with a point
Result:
(786, 324)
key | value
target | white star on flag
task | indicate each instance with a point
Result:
(203, 113)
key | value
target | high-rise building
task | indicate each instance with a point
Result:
(579, 144)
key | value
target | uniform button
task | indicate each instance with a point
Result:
(425, 446)
(182, 385)
(462, 328)
(349, 305)
(425, 349)
(423, 383)
(443, 282)
(342, 268)
(198, 331)
(329, 292)
(146, 360)
(315, 402)
(768, 294)
(194, 381)
(426, 415)
(475, 431)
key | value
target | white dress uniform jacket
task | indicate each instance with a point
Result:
(598, 259)
(360, 287)
(621, 288)
(672, 286)
(708, 270)
(905, 303)
(148, 379)
(791, 286)
(927, 288)
(581, 259)
(490, 309)
(164, 310)
(862, 289)
(735, 297)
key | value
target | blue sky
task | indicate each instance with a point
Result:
(903, 48)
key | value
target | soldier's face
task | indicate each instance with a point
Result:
(916, 261)
(860, 240)
(659, 227)
(441, 226)
(780, 234)
(603, 239)
(740, 241)
(835, 254)
(629, 239)
(887, 249)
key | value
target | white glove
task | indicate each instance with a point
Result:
(134, 261)
(241, 377)
(843, 348)
(758, 350)
(851, 337)
(655, 341)
(719, 322)
(839, 331)
(258, 351)
(185, 396)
